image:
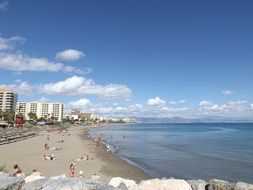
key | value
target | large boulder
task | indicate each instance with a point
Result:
(34, 176)
(35, 185)
(75, 184)
(11, 183)
(116, 181)
(243, 186)
(216, 184)
(197, 184)
(157, 184)
(122, 186)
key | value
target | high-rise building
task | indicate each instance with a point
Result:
(8, 99)
(50, 111)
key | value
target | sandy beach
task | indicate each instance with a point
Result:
(28, 155)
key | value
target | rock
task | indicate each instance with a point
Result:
(216, 184)
(243, 186)
(116, 181)
(197, 184)
(122, 186)
(2, 174)
(96, 177)
(35, 185)
(75, 184)
(10, 183)
(157, 184)
(34, 176)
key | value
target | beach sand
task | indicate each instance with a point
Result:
(28, 155)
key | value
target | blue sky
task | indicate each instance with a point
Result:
(125, 58)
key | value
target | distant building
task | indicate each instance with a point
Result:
(50, 111)
(87, 116)
(8, 99)
(71, 117)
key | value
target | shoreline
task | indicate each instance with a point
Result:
(115, 166)
(28, 155)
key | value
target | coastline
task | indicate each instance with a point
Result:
(115, 166)
(28, 155)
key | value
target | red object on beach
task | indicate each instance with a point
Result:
(19, 121)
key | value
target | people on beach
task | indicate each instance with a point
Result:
(17, 170)
(72, 169)
(49, 157)
(46, 146)
(56, 148)
(48, 137)
(108, 149)
(84, 157)
(97, 140)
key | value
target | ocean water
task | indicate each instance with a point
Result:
(188, 151)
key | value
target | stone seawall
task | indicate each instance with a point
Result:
(36, 181)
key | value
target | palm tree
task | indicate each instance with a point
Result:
(8, 116)
(32, 116)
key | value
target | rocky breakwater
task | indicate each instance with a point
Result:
(36, 181)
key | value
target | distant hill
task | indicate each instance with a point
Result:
(216, 119)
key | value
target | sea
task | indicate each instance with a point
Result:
(189, 151)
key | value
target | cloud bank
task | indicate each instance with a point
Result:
(17, 61)
(3, 5)
(76, 86)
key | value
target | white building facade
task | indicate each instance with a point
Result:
(50, 111)
(8, 100)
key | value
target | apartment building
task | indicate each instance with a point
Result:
(8, 99)
(85, 115)
(53, 111)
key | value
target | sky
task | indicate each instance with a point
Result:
(124, 58)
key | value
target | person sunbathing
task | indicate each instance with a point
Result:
(17, 170)
(84, 157)
(56, 148)
(49, 157)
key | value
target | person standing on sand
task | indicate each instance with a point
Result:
(72, 169)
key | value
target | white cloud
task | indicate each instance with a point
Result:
(240, 108)
(3, 5)
(234, 109)
(20, 87)
(19, 62)
(75, 86)
(177, 102)
(227, 92)
(69, 55)
(10, 43)
(156, 102)
(43, 99)
(206, 103)
(80, 104)
(135, 107)
(237, 103)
